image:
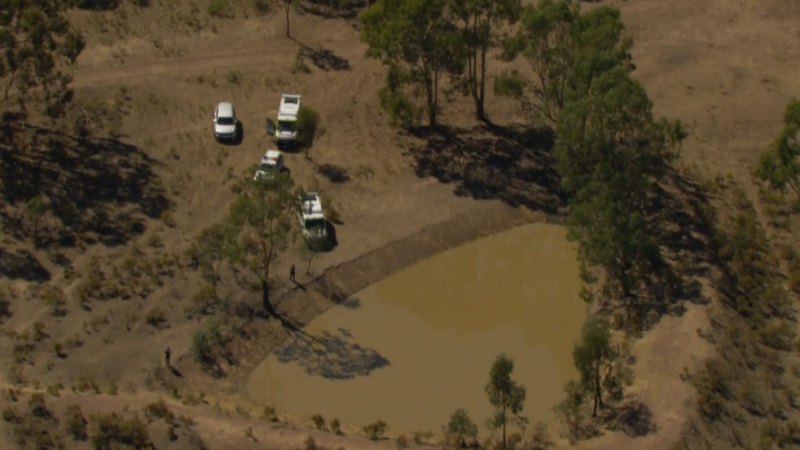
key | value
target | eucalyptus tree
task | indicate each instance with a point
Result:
(419, 43)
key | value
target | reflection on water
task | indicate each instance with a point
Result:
(414, 347)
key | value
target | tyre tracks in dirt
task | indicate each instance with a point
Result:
(138, 70)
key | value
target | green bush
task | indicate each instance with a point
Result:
(319, 421)
(461, 430)
(201, 349)
(114, 431)
(38, 406)
(219, 8)
(156, 317)
(204, 301)
(159, 410)
(401, 111)
(269, 414)
(76, 423)
(336, 427)
(262, 7)
(307, 125)
(375, 430)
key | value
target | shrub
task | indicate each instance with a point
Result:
(402, 441)
(38, 406)
(204, 300)
(269, 414)
(461, 429)
(319, 421)
(375, 430)
(219, 8)
(159, 410)
(85, 384)
(262, 7)
(10, 415)
(307, 125)
(299, 65)
(76, 423)
(310, 444)
(38, 331)
(201, 349)
(402, 112)
(156, 317)
(114, 431)
(336, 427)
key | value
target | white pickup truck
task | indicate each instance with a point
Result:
(312, 217)
(285, 132)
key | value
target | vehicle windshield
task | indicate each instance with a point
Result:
(267, 167)
(225, 121)
(315, 224)
(285, 126)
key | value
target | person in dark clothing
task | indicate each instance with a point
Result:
(167, 354)
(291, 274)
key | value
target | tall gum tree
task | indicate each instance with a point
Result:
(259, 226)
(611, 153)
(566, 50)
(478, 21)
(417, 41)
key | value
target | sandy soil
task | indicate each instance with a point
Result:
(726, 69)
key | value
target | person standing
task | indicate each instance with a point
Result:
(291, 274)
(167, 355)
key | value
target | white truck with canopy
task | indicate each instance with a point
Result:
(285, 131)
(312, 217)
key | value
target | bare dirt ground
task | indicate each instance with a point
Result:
(726, 69)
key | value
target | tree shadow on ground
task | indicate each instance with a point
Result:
(328, 10)
(681, 216)
(513, 164)
(685, 217)
(325, 59)
(634, 419)
(22, 265)
(94, 189)
(334, 173)
(332, 356)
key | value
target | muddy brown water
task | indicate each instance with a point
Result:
(414, 347)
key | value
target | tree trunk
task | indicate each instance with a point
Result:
(598, 395)
(265, 298)
(431, 100)
(481, 94)
(504, 426)
(266, 249)
(286, 6)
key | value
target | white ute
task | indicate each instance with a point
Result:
(312, 217)
(285, 132)
(271, 165)
(225, 122)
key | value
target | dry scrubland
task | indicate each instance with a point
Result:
(109, 278)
